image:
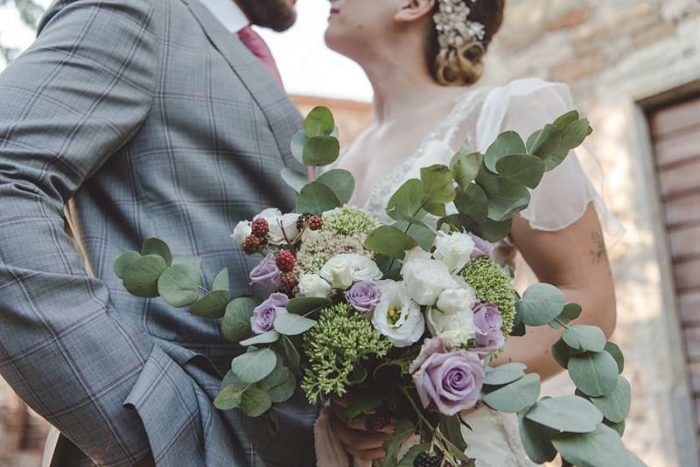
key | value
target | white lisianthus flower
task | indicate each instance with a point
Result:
(455, 329)
(457, 300)
(453, 249)
(361, 268)
(278, 221)
(397, 316)
(241, 232)
(313, 285)
(426, 278)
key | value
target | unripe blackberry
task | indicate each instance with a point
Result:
(285, 261)
(315, 223)
(301, 221)
(289, 281)
(252, 244)
(260, 228)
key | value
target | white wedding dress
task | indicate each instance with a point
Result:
(478, 118)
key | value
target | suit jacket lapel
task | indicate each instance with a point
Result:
(282, 116)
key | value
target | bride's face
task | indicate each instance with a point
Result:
(356, 26)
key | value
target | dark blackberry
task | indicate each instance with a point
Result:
(424, 459)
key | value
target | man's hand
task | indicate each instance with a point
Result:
(357, 439)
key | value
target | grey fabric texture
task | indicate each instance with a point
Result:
(148, 119)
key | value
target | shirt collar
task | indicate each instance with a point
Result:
(229, 13)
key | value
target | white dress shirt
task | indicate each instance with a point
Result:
(229, 13)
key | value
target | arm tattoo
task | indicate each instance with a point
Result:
(599, 252)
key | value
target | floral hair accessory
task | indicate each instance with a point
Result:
(453, 24)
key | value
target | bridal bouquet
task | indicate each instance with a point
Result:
(404, 319)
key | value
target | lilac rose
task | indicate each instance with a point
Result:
(481, 247)
(264, 315)
(488, 323)
(452, 380)
(364, 296)
(266, 274)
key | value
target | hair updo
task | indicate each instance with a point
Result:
(463, 66)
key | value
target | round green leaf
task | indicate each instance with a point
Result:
(536, 440)
(294, 179)
(507, 143)
(504, 374)
(489, 181)
(319, 122)
(510, 199)
(406, 204)
(297, 145)
(616, 406)
(279, 385)
(570, 414)
(618, 427)
(465, 166)
(472, 202)
(231, 379)
(562, 353)
(424, 236)
(437, 183)
(540, 304)
(236, 322)
(570, 312)
(316, 198)
(125, 260)
(389, 241)
(156, 246)
(521, 168)
(212, 305)
(302, 306)
(515, 396)
(261, 339)
(321, 150)
(602, 447)
(255, 402)
(565, 120)
(341, 182)
(616, 353)
(255, 365)
(229, 397)
(290, 352)
(584, 337)
(575, 133)
(293, 325)
(179, 284)
(221, 281)
(141, 277)
(595, 374)
(548, 144)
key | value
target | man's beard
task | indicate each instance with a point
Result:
(274, 14)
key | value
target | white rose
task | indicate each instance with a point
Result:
(455, 329)
(453, 249)
(397, 316)
(278, 221)
(241, 232)
(338, 273)
(456, 300)
(361, 268)
(313, 285)
(425, 279)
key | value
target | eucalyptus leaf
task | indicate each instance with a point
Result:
(279, 385)
(571, 414)
(230, 397)
(316, 198)
(570, 312)
(290, 352)
(292, 325)
(420, 233)
(562, 353)
(472, 202)
(294, 179)
(510, 200)
(179, 284)
(465, 166)
(221, 281)
(602, 447)
(319, 122)
(321, 150)
(536, 440)
(253, 366)
(541, 303)
(584, 337)
(617, 355)
(262, 339)
(565, 120)
(522, 169)
(341, 182)
(302, 306)
(212, 305)
(576, 133)
(490, 182)
(515, 396)
(507, 143)
(594, 373)
(230, 379)
(125, 260)
(437, 183)
(156, 246)
(504, 374)
(389, 241)
(255, 401)
(406, 204)
(236, 322)
(616, 406)
(141, 277)
(297, 145)
(618, 427)
(548, 144)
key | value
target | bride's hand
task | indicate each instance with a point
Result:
(357, 439)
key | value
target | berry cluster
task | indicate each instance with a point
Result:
(313, 221)
(289, 280)
(424, 459)
(258, 238)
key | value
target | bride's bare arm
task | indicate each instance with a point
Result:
(575, 260)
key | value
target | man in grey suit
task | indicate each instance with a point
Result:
(149, 118)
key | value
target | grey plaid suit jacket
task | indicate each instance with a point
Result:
(152, 120)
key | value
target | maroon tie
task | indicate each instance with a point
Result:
(259, 48)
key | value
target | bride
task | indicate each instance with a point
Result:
(422, 58)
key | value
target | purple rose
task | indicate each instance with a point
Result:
(264, 315)
(453, 381)
(481, 247)
(364, 296)
(488, 323)
(266, 274)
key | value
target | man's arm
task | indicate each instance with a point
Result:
(74, 98)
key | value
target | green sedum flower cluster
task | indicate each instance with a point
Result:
(341, 338)
(349, 220)
(323, 245)
(492, 285)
